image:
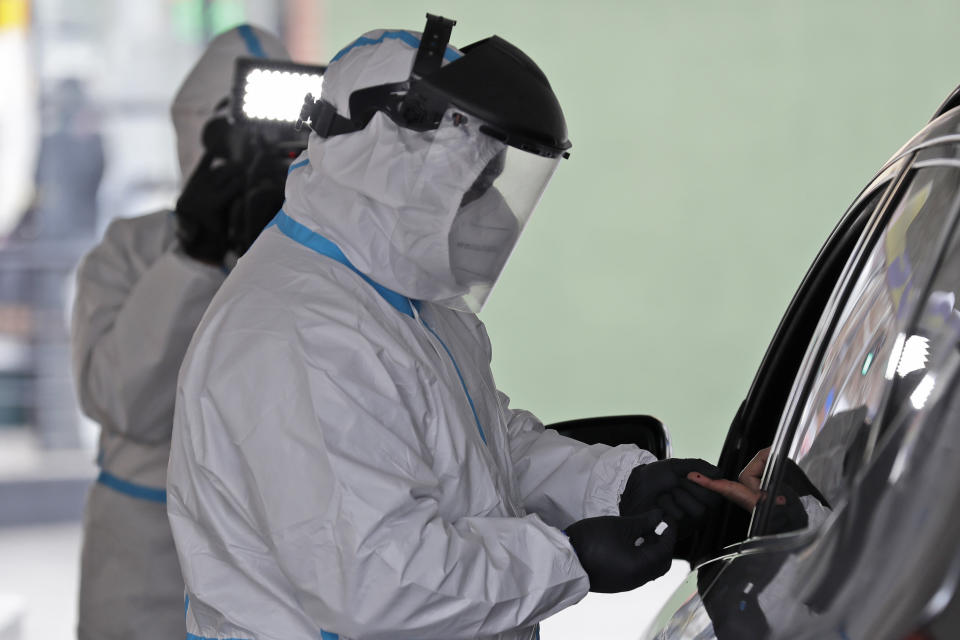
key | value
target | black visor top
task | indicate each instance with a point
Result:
(493, 81)
(498, 83)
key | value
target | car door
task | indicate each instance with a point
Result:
(828, 388)
(755, 423)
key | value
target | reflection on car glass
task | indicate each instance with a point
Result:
(870, 340)
(873, 447)
(935, 334)
(778, 593)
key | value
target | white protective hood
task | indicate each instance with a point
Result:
(210, 82)
(387, 196)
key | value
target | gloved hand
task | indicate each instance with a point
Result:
(787, 512)
(203, 210)
(664, 484)
(608, 550)
(262, 198)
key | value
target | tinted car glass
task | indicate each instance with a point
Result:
(913, 527)
(888, 564)
(870, 346)
(755, 423)
(897, 524)
(881, 371)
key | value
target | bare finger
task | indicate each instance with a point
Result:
(753, 472)
(735, 492)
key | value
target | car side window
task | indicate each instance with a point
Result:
(869, 346)
(931, 340)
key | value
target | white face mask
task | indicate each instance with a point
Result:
(481, 239)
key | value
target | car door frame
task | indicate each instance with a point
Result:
(755, 423)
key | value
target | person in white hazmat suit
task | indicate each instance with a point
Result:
(342, 464)
(140, 294)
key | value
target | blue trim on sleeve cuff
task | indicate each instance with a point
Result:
(131, 489)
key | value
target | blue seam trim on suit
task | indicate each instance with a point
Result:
(462, 383)
(297, 165)
(449, 55)
(133, 490)
(313, 240)
(253, 42)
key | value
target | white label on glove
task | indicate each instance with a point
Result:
(659, 531)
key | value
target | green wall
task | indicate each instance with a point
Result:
(715, 146)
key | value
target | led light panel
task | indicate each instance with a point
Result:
(271, 91)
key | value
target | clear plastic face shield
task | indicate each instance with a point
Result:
(493, 213)
(495, 125)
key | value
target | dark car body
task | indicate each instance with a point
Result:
(859, 396)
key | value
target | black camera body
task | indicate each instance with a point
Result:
(236, 188)
(265, 156)
(238, 185)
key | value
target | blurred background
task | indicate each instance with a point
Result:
(715, 146)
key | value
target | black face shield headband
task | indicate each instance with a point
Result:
(493, 81)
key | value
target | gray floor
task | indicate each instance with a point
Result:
(40, 561)
(39, 573)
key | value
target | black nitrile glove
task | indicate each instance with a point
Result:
(787, 512)
(664, 485)
(203, 210)
(608, 550)
(261, 200)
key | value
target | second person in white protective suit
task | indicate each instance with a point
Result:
(140, 295)
(342, 462)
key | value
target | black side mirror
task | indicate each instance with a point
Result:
(644, 431)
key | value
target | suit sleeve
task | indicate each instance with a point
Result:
(561, 479)
(564, 480)
(336, 472)
(136, 307)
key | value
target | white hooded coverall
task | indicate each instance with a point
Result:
(139, 299)
(342, 463)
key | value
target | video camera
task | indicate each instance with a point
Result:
(267, 95)
(260, 140)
